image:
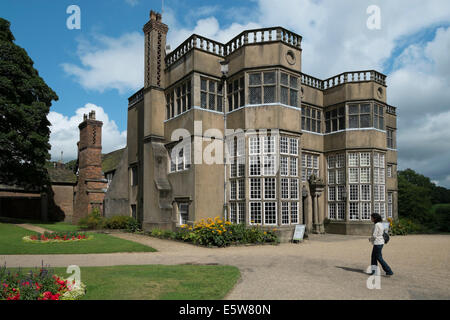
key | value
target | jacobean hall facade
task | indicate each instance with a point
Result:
(298, 150)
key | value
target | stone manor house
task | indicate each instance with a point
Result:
(298, 150)
(310, 151)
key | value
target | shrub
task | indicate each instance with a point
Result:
(218, 233)
(133, 225)
(117, 222)
(93, 221)
(405, 226)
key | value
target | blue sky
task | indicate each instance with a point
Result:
(100, 66)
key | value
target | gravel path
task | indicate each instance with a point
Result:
(33, 228)
(324, 267)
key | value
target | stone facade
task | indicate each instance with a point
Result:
(309, 151)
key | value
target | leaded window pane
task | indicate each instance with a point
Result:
(284, 79)
(284, 145)
(353, 121)
(255, 166)
(294, 212)
(293, 96)
(269, 77)
(294, 82)
(285, 212)
(255, 79)
(212, 99)
(255, 212)
(269, 94)
(284, 99)
(203, 100)
(212, 86)
(353, 175)
(284, 166)
(332, 211)
(365, 108)
(354, 192)
(269, 188)
(270, 212)
(294, 189)
(353, 109)
(331, 193)
(255, 95)
(203, 85)
(255, 189)
(365, 121)
(293, 166)
(284, 188)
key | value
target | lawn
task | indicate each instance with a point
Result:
(157, 282)
(11, 243)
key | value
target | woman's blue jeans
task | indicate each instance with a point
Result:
(378, 257)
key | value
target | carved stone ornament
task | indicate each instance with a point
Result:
(316, 181)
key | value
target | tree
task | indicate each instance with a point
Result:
(25, 101)
(414, 201)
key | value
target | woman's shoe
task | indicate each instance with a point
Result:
(389, 274)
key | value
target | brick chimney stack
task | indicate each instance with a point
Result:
(155, 50)
(91, 185)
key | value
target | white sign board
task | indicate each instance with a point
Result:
(386, 226)
(299, 232)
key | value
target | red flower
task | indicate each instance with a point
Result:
(47, 295)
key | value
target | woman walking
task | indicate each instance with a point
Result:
(378, 241)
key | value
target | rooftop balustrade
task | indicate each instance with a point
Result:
(391, 110)
(255, 36)
(135, 98)
(346, 77)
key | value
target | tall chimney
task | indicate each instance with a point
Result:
(155, 32)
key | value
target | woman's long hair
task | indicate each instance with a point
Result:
(376, 217)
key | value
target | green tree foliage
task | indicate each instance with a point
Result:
(416, 197)
(443, 217)
(414, 201)
(25, 101)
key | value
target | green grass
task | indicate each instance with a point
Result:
(156, 282)
(11, 243)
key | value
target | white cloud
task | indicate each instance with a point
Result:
(419, 88)
(335, 39)
(65, 133)
(209, 28)
(112, 63)
(132, 2)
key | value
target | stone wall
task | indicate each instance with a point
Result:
(116, 198)
(63, 198)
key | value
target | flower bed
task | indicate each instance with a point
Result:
(219, 233)
(57, 237)
(37, 285)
